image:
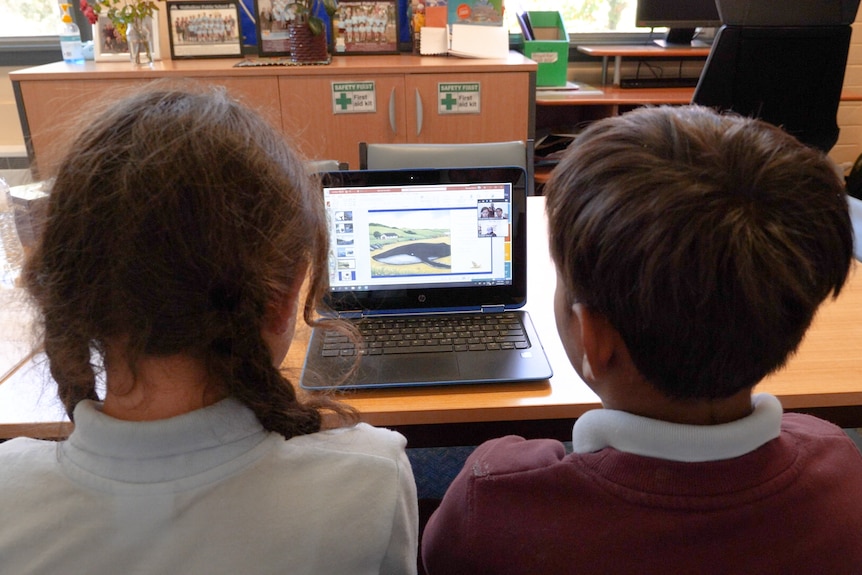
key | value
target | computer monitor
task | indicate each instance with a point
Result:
(681, 17)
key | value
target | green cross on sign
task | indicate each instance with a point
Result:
(343, 101)
(448, 101)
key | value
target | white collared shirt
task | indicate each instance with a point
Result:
(639, 435)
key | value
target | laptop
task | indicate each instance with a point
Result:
(435, 261)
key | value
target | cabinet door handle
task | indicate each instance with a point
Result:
(392, 111)
(418, 112)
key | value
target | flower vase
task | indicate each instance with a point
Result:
(306, 47)
(140, 44)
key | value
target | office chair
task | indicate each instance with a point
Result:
(782, 62)
(326, 165)
(396, 156)
(789, 76)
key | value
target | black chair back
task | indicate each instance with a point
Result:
(789, 76)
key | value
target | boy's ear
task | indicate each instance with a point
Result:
(599, 340)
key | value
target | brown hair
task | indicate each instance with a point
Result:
(174, 219)
(708, 241)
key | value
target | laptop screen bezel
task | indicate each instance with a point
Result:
(429, 299)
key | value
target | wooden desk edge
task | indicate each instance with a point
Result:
(340, 65)
(467, 431)
(614, 95)
(644, 50)
(55, 430)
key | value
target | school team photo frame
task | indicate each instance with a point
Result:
(366, 27)
(204, 29)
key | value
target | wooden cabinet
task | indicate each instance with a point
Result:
(309, 120)
(300, 101)
(406, 109)
(505, 108)
(53, 109)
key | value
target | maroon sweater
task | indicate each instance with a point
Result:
(792, 506)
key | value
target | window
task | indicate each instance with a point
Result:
(590, 16)
(29, 28)
(30, 18)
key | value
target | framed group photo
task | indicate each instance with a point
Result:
(366, 27)
(204, 29)
(273, 18)
(110, 46)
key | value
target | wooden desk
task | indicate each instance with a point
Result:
(639, 51)
(567, 111)
(609, 96)
(824, 377)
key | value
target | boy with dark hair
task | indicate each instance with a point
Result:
(692, 251)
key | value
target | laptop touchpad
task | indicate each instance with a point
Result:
(424, 368)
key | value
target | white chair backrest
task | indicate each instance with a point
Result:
(483, 154)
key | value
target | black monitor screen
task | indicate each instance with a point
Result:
(681, 16)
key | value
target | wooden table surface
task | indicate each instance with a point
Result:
(824, 377)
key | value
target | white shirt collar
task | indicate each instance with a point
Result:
(601, 428)
(165, 449)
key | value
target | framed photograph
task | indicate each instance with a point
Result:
(273, 16)
(204, 29)
(366, 27)
(110, 46)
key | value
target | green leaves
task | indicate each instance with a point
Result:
(315, 24)
(125, 12)
(331, 7)
(305, 11)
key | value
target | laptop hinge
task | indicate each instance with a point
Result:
(493, 308)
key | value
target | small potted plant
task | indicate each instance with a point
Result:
(306, 32)
(131, 19)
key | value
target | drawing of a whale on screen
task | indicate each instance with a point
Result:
(416, 253)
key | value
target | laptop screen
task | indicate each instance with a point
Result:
(398, 237)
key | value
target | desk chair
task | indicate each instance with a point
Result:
(326, 165)
(789, 76)
(395, 156)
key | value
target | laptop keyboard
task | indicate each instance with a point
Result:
(425, 334)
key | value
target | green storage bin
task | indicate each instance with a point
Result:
(550, 49)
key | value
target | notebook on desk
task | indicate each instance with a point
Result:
(435, 261)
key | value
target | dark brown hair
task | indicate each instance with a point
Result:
(176, 217)
(708, 241)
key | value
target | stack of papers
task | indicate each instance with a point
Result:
(465, 40)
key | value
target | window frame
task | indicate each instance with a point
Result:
(29, 50)
(22, 51)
